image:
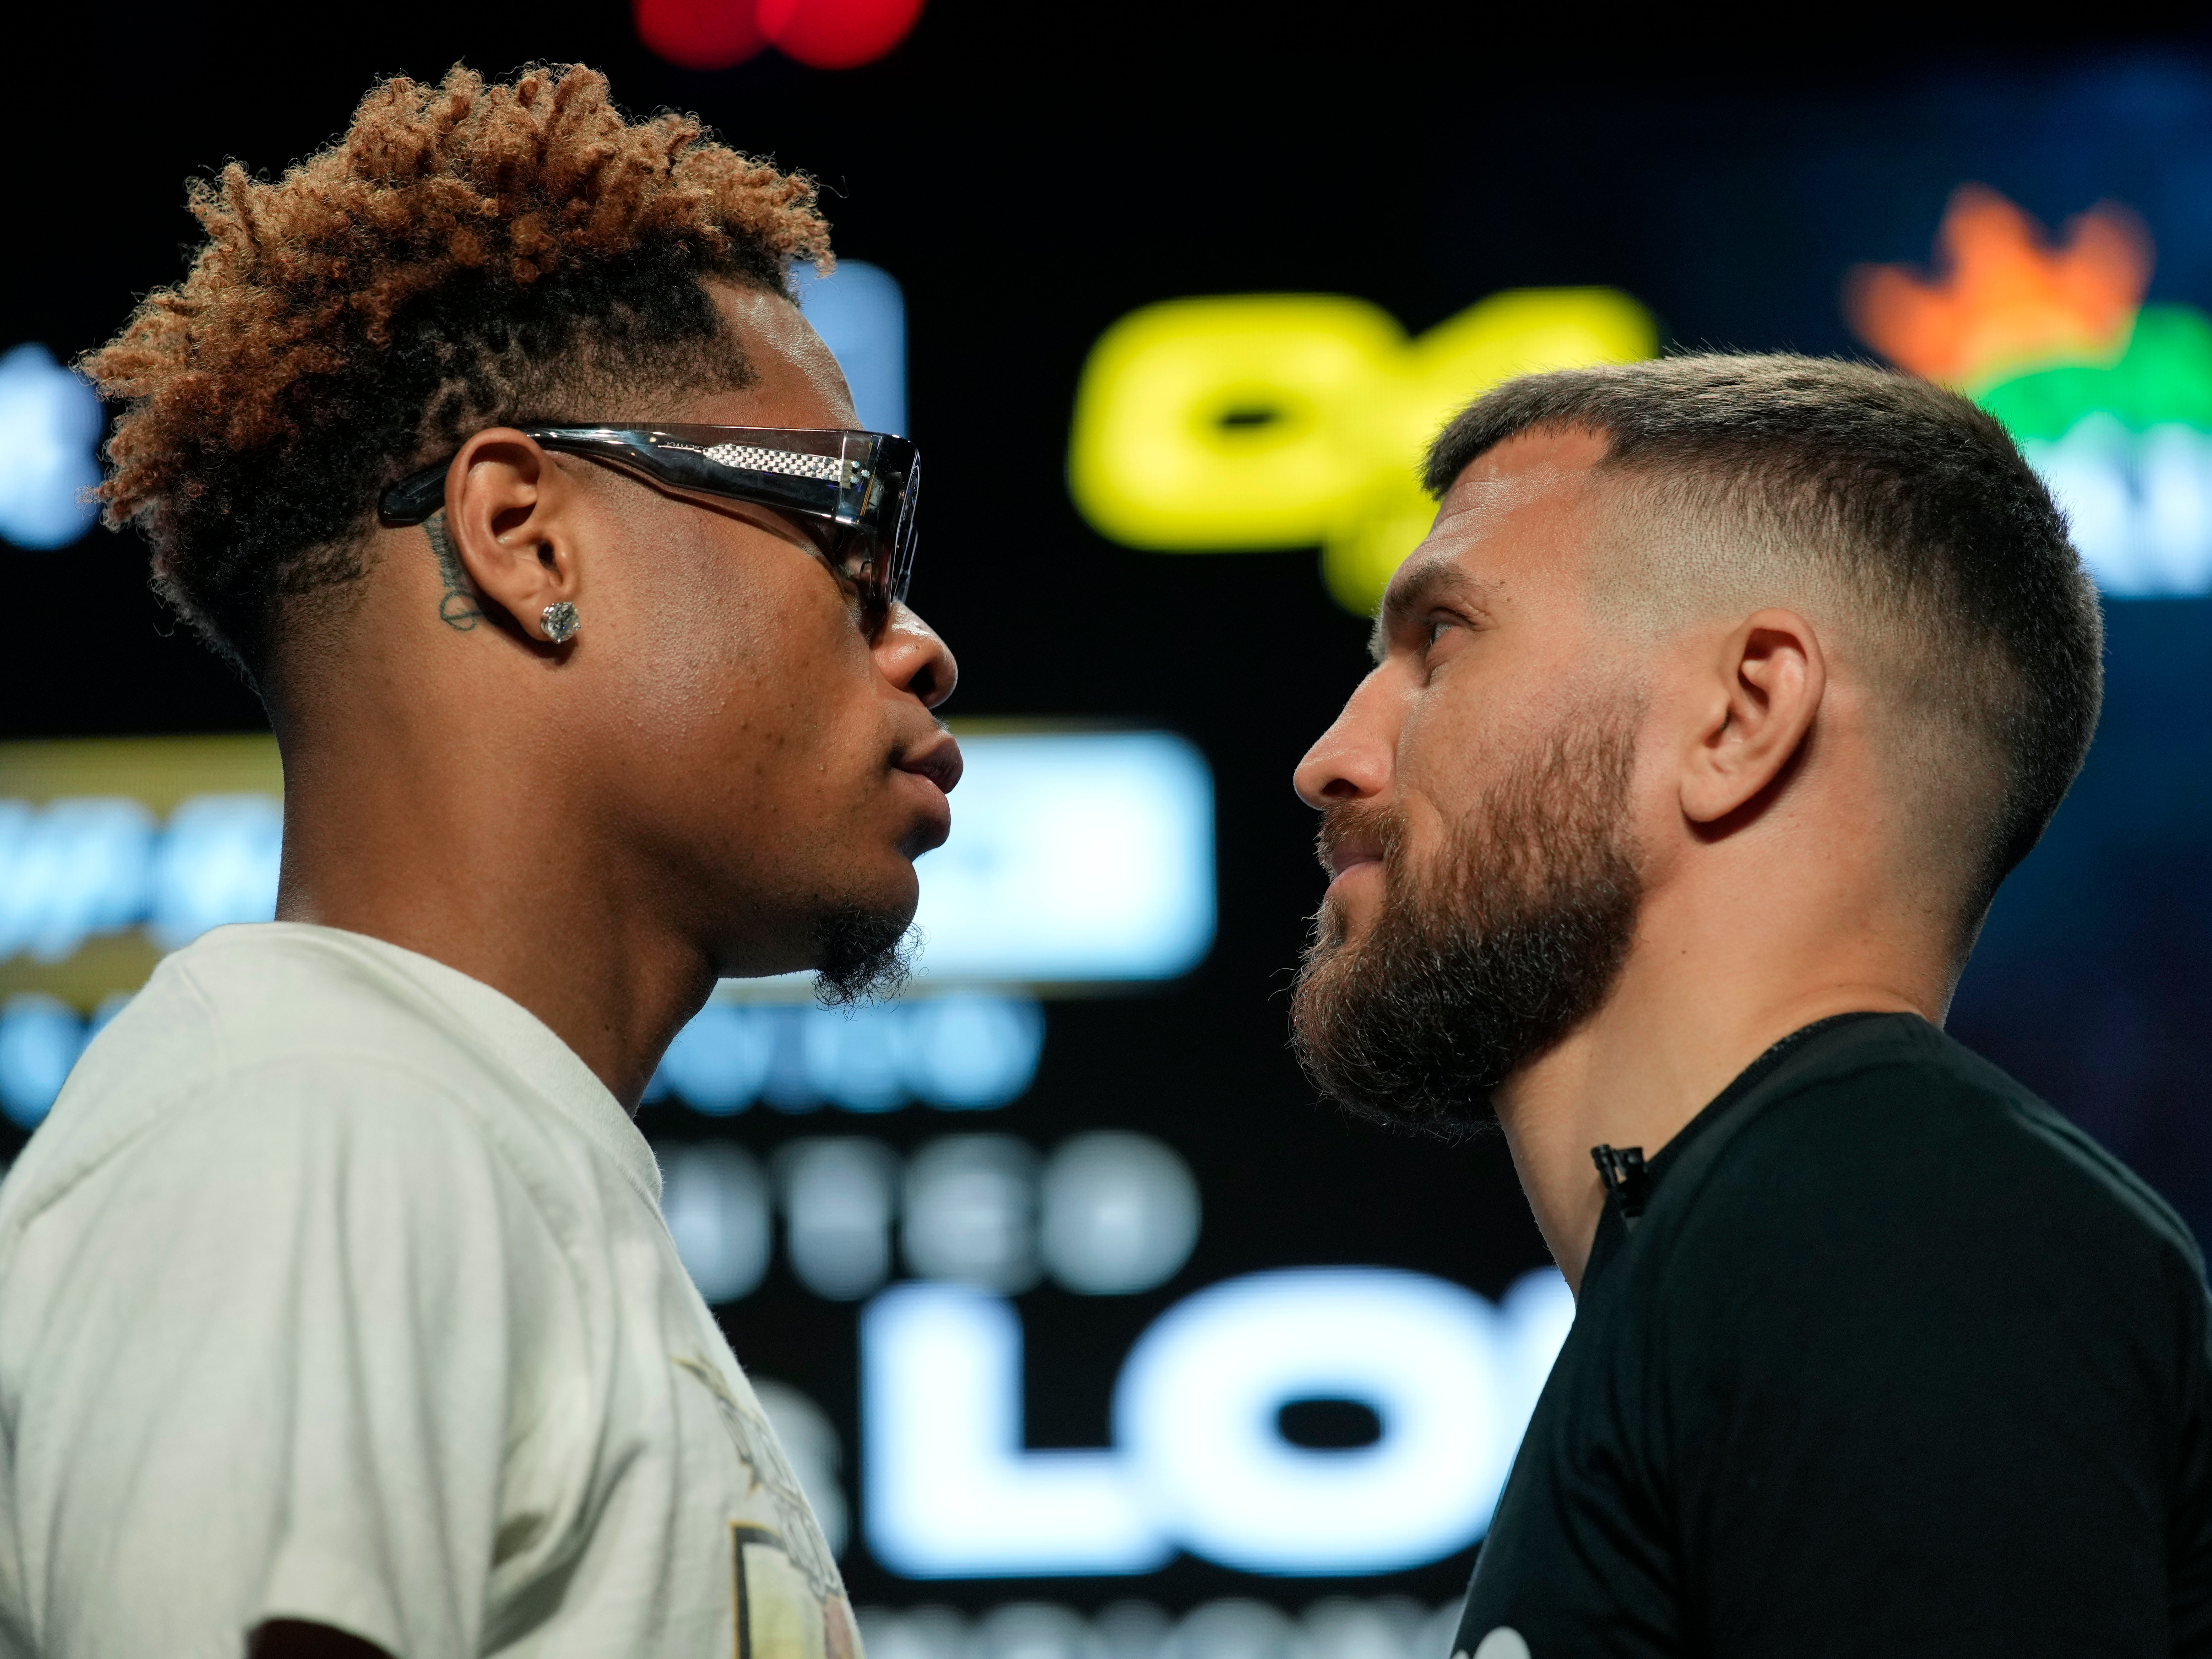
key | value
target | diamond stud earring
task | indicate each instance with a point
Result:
(560, 621)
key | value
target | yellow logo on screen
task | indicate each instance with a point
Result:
(1270, 421)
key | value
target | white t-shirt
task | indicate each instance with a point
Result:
(336, 1288)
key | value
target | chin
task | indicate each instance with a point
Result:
(895, 897)
(775, 922)
(881, 900)
(764, 935)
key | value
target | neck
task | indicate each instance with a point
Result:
(475, 856)
(1692, 1007)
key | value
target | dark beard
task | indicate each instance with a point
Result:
(865, 958)
(1465, 978)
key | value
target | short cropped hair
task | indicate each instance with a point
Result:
(1911, 500)
(467, 255)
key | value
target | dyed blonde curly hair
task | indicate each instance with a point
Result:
(465, 255)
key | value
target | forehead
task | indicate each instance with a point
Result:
(795, 381)
(1514, 525)
(1521, 507)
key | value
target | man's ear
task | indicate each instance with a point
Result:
(512, 515)
(1765, 686)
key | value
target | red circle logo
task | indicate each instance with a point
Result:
(715, 34)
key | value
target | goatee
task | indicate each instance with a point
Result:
(865, 956)
(1472, 970)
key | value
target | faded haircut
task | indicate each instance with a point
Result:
(1749, 479)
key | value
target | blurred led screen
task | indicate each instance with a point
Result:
(1072, 857)
(860, 314)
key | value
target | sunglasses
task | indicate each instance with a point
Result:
(852, 493)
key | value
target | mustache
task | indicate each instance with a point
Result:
(1359, 823)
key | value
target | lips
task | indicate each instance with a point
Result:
(937, 759)
(1342, 858)
(935, 765)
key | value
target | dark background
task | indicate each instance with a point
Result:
(1031, 174)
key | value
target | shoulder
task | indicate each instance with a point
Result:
(256, 994)
(1890, 1130)
(1887, 1197)
(1891, 1335)
(241, 997)
(256, 1055)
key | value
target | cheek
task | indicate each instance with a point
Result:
(733, 638)
(1463, 734)
(700, 646)
(734, 692)
(1449, 748)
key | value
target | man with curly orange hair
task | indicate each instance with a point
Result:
(337, 1312)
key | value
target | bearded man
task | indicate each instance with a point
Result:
(1703, 727)
(337, 1311)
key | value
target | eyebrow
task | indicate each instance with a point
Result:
(1436, 579)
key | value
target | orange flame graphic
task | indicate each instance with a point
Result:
(2004, 300)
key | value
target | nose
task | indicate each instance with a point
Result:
(910, 655)
(1352, 760)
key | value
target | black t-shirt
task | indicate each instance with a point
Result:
(1893, 1362)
